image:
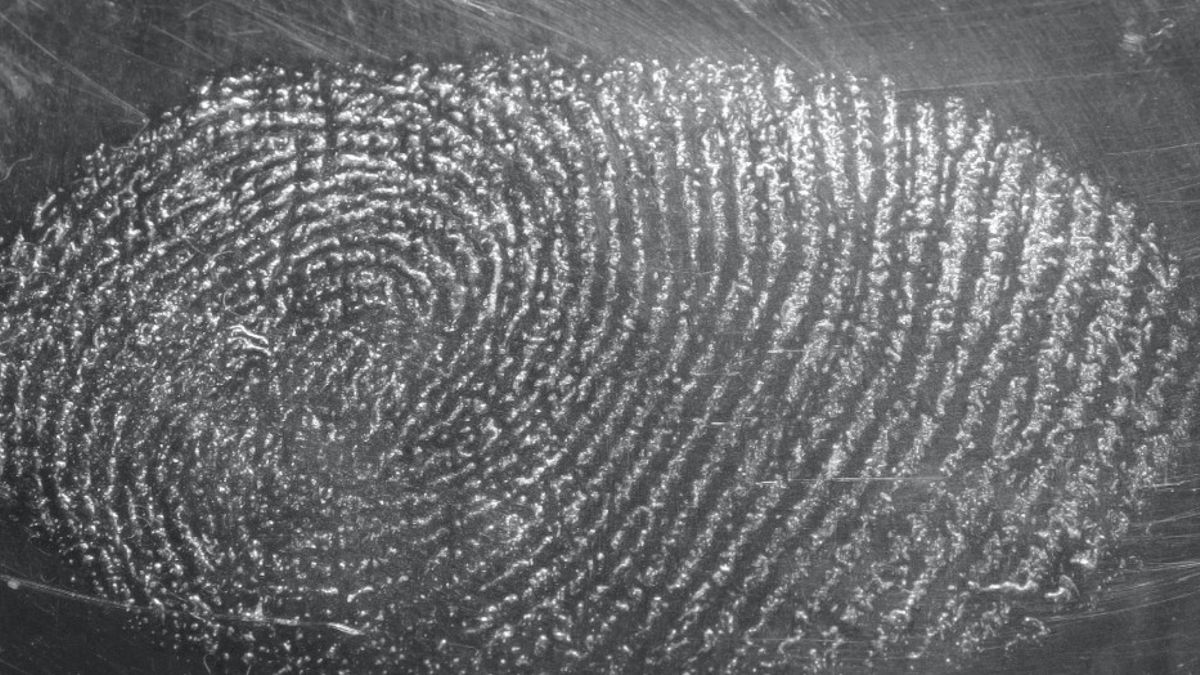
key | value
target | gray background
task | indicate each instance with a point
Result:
(1112, 86)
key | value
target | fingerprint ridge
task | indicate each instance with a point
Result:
(521, 363)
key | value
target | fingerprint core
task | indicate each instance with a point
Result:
(519, 365)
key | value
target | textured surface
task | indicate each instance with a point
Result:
(518, 366)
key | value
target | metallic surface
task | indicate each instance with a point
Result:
(514, 365)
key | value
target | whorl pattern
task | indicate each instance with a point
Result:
(518, 366)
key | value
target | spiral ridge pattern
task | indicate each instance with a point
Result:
(515, 365)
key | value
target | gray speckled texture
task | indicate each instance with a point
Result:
(525, 367)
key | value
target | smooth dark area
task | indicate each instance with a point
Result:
(1112, 86)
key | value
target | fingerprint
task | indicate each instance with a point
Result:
(521, 366)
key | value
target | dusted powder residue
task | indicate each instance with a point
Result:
(516, 366)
